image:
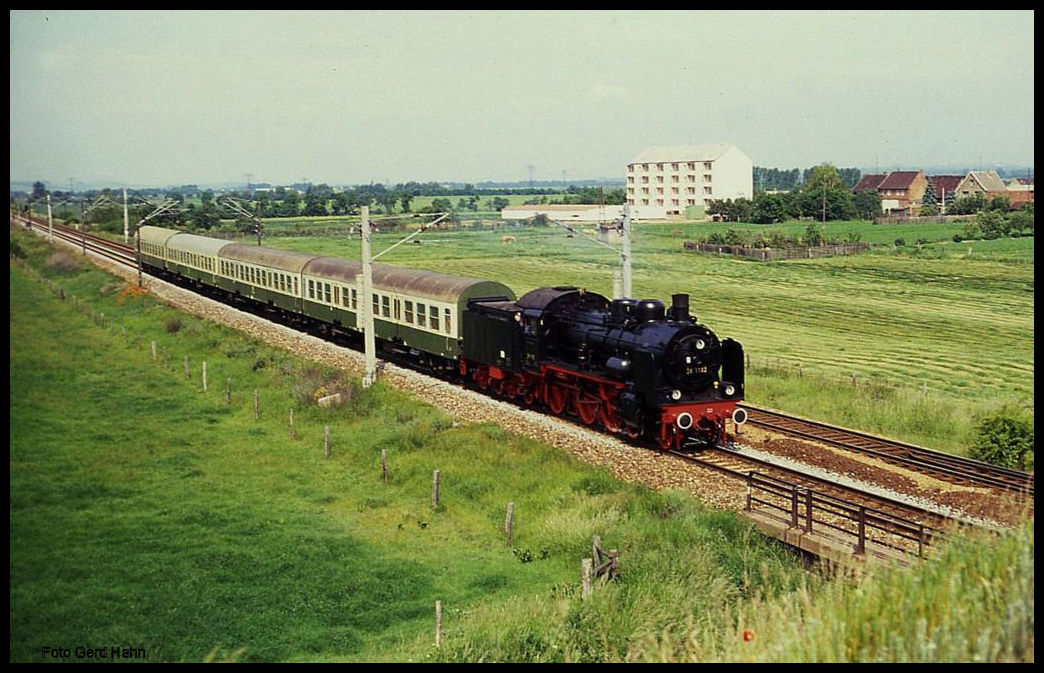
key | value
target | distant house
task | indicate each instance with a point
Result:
(986, 183)
(1020, 191)
(900, 191)
(684, 179)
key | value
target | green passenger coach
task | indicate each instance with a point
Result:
(420, 310)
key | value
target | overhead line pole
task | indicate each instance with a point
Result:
(365, 304)
(364, 289)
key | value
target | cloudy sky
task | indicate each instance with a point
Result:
(162, 98)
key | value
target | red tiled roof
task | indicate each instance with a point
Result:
(898, 180)
(870, 181)
(945, 182)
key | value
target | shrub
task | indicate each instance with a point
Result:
(900, 242)
(1004, 438)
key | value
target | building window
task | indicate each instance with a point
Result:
(706, 165)
(706, 177)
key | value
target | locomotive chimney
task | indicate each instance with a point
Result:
(680, 307)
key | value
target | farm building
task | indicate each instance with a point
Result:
(581, 212)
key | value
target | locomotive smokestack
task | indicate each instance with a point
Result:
(680, 307)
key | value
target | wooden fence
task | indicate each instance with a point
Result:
(770, 254)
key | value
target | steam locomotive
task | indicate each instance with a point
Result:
(630, 366)
(633, 367)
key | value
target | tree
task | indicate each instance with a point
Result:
(867, 204)
(1004, 438)
(39, 191)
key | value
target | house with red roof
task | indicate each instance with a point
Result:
(900, 191)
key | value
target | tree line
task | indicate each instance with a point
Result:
(825, 193)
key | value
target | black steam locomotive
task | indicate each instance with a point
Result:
(631, 366)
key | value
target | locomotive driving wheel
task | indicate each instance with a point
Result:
(610, 419)
(557, 396)
(588, 407)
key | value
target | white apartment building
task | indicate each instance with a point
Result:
(684, 179)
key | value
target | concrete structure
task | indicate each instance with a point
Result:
(685, 179)
(582, 212)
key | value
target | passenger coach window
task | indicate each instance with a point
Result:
(327, 293)
(434, 316)
(409, 312)
(337, 294)
(446, 321)
(385, 307)
(311, 289)
(422, 317)
(355, 299)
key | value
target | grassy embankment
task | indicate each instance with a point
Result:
(934, 336)
(146, 513)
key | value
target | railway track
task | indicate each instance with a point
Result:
(944, 466)
(920, 523)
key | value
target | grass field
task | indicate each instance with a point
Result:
(933, 335)
(146, 513)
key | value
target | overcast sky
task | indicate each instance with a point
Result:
(165, 98)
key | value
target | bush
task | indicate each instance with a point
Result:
(1004, 438)
(900, 242)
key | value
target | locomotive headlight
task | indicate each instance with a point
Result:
(730, 390)
(675, 394)
(700, 345)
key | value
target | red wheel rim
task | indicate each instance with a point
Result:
(588, 410)
(556, 399)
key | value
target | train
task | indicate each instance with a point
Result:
(632, 367)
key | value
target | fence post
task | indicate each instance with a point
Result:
(509, 523)
(257, 407)
(585, 578)
(808, 510)
(293, 433)
(152, 347)
(435, 489)
(384, 465)
(438, 623)
(794, 507)
(204, 376)
(228, 391)
(326, 441)
(187, 375)
(861, 544)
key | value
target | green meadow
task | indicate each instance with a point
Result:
(148, 513)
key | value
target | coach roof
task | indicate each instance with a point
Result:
(286, 260)
(410, 282)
